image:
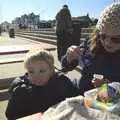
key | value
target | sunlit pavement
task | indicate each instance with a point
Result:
(20, 44)
(6, 40)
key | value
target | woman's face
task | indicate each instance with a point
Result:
(110, 43)
(38, 72)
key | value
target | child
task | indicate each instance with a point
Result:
(103, 57)
(39, 88)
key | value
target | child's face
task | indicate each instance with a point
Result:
(111, 43)
(38, 72)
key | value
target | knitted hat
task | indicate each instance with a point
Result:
(109, 20)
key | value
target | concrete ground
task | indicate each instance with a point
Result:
(15, 69)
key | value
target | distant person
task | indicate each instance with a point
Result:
(40, 88)
(12, 32)
(64, 31)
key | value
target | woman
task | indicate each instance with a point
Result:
(104, 55)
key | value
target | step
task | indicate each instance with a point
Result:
(87, 30)
(41, 29)
(40, 39)
(38, 35)
(49, 36)
(38, 32)
(46, 29)
(85, 35)
(11, 60)
(12, 49)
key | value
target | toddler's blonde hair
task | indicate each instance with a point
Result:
(40, 55)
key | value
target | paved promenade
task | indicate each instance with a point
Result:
(13, 51)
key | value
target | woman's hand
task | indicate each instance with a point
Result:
(73, 52)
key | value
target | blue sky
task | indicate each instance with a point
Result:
(10, 9)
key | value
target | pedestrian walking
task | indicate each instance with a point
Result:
(103, 55)
(64, 30)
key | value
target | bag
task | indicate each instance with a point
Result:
(74, 109)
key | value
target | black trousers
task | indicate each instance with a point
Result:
(64, 40)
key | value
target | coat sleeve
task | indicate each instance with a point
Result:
(68, 87)
(18, 95)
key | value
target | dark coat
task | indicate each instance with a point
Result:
(106, 64)
(27, 99)
(63, 20)
(63, 31)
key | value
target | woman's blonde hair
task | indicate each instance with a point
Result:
(40, 55)
(95, 44)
